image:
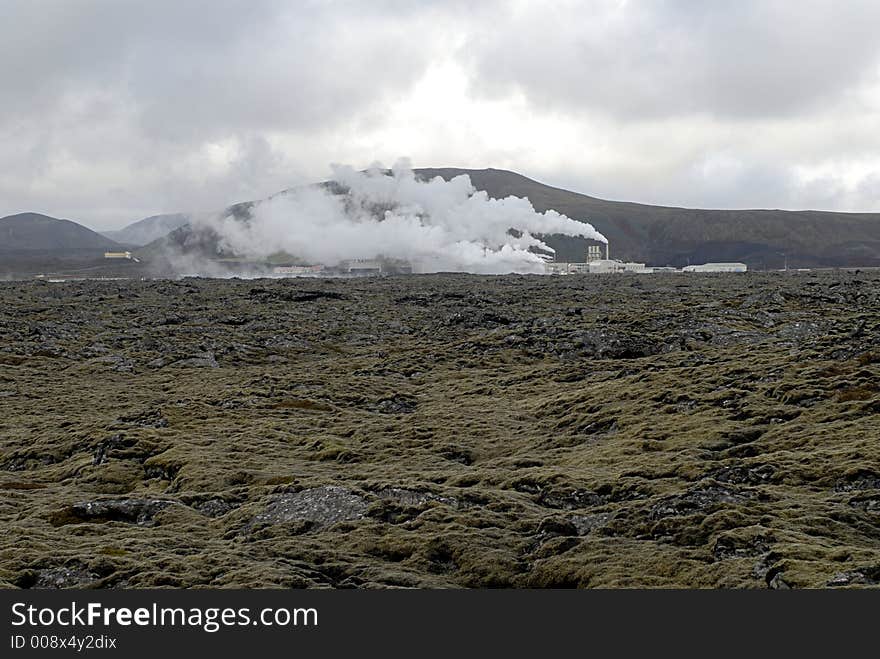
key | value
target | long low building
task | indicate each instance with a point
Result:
(717, 267)
(562, 268)
(605, 266)
(297, 270)
(602, 266)
(599, 266)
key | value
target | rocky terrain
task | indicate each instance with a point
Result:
(442, 431)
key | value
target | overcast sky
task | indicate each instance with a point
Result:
(113, 110)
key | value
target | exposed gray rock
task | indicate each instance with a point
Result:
(778, 583)
(396, 404)
(868, 503)
(214, 507)
(418, 498)
(585, 524)
(744, 474)
(727, 547)
(63, 577)
(318, 506)
(866, 576)
(764, 299)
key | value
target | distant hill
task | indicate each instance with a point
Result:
(148, 229)
(657, 235)
(32, 231)
(166, 252)
(31, 244)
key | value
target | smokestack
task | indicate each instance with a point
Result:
(608, 251)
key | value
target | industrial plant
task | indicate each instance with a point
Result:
(596, 264)
(598, 261)
(348, 268)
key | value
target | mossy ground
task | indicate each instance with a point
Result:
(592, 431)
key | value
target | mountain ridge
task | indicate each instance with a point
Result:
(671, 235)
(38, 232)
(657, 235)
(148, 229)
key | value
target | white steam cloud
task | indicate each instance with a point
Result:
(436, 225)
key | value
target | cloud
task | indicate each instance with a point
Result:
(119, 109)
(134, 101)
(754, 58)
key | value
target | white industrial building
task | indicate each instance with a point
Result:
(378, 266)
(717, 267)
(603, 266)
(362, 266)
(595, 264)
(121, 255)
(298, 270)
(561, 268)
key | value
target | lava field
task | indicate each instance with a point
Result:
(433, 431)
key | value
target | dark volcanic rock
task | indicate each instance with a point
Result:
(697, 500)
(264, 295)
(613, 344)
(570, 500)
(727, 547)
(130, 511)
(861, 480)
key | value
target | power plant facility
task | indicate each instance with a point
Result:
(596, 264)
(348, 268)
(597, 261)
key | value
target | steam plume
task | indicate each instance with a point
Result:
(437, 225)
